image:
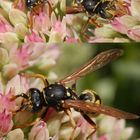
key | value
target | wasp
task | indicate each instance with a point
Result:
(106, 9)
(34, 6)
(62, 98)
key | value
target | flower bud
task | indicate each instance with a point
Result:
(16, 16)
(15, 134)
(4, 57)
(39, 132)
(10, 70)
(6, 122)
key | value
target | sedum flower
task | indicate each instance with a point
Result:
(112, 128)
(16, 59)
(39, 132)
(16, 133)
(6, 122)
(15, 26)
(123, 28)
(7, 107)
(55, 125)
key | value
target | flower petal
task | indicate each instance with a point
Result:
(135, 9)
(14, 134)
(16, 16)
(10, 70)
(21, 30)
(39, 131)
(134, 33)
(6, 123)
(4, 57)
(8, 38)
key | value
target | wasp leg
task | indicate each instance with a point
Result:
(68, 112)
(91, 122)
(74, 9)
(123, 10)
(93, 22)
(15, 3)
(90, 21)
(42, 77)
(30, 20)
(50, 8)
(23, 95)
(85, 27)
(23, 106)
(73, 87)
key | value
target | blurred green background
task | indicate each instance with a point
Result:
(117, 83)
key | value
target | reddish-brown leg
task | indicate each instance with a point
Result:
(32, 75)
(91, 122)
(15, 3)
(68, 112)
(50, 8)
(74, 9)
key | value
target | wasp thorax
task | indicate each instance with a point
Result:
(55, 94)
(90, 96)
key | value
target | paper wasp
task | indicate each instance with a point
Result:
(34, 6)
(63, 98)
(106, 9)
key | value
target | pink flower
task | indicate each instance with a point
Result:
(39, 131)
(33, 37)
(15, 59)
(58, 30)
(71, 40)
(6, 103)
(134, 33)
(41, 22)
(122, 28)
(20, 56)
(4, 25)
(20, 5)
(18, 28)
(6, 122)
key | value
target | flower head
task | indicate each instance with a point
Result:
(24, 25)
(122, 28)
(16, 59)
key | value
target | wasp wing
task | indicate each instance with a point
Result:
(101, 109)
(97, 62)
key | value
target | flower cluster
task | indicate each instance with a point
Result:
(123, 28)
(15, 28)
(41, 56)
(23, 49)
(16, 59)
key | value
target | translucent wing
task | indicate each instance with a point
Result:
(101, 109)
(97, 62)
